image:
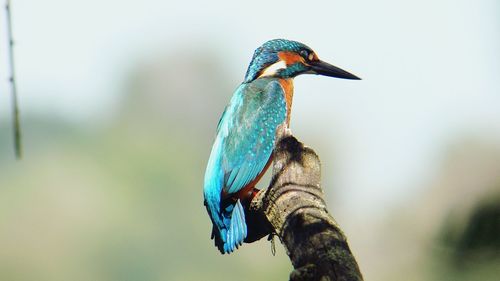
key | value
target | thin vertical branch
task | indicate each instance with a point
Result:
(15, 108)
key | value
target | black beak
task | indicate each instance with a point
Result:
(326, 69)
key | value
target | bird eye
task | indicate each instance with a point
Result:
(305, 54)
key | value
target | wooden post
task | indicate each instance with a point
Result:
(294, 209)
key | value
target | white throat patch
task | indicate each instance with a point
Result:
(273, 68)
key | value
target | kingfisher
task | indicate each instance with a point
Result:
(247, 133)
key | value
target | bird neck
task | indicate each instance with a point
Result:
(287, 84)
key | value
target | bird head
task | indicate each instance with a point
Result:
(286, 59)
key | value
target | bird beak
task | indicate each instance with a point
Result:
(326, 69)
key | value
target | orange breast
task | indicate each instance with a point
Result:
(287, 85)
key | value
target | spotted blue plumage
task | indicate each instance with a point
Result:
(243, 145)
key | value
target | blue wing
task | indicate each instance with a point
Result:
(250, 134)
(244, 143)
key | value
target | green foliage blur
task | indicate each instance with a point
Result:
(121, 200)
(410, 154)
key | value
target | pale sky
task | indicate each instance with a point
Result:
(430, 72)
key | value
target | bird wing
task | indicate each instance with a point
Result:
(247, 131)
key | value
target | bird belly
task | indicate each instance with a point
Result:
(247, 193)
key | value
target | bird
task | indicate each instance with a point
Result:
(246, 133)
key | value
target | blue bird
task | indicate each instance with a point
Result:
(246, 133)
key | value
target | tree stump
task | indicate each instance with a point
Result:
(294, 209)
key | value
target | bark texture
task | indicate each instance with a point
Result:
(293, 208)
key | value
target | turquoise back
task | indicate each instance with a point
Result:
(244, 143)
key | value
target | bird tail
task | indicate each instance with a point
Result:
(229, 235)
(237, 230)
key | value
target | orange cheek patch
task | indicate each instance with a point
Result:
(290, 58)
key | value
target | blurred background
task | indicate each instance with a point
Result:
(119, 104)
